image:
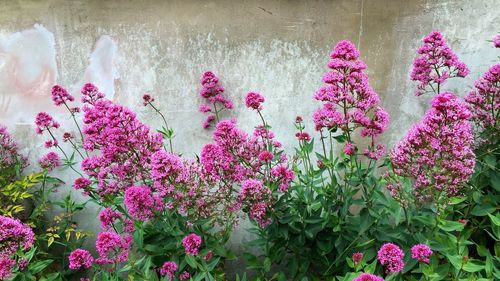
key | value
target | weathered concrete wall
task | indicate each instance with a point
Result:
(279, 48)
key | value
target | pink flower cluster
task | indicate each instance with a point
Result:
(60, 95)
(496, 40)
(437, 152)
(141, 202)
(435, 64)
(50, 161)
(168, 269)
(421, 252)
(112, 247)
(254, 100)
(212, 92)
(191, 243)
(90, 94)
(125, 145)
(83, 184)
(357, 257)
(80, 259)
(9, 154)
(44, 121)
(107, 217)
(391, 256)
(258, 198)
(484, 99)
(368, 277)
(349, 102)
(14, 236)
(235, 157)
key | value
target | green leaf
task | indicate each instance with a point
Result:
(483, 210)
(495, 219)
(38, 266)
(451, 226)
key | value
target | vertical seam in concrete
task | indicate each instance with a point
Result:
(360, 25)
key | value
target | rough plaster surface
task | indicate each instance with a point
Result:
(279, 48)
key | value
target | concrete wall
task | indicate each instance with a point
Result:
(279, 48)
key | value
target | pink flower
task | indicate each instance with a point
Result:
(368, 277)
(254, 100)
(91, 94)
(435, 64)
(60, 95)
(168, 269)
(357, 257)
(82, 183)
(349, 148)
(6, 267)
(349, 102)
(421, 252)
(266, 156)
(208, 256)
(67, 136)
(391, 256)
(184, 276)
(50, 161)
(14, 238)
(212, 93)
(147, 98)
(44, 121)
(484, 99)
(303, 136)
(191, 244)
(9, 154)
(107, 217)
(437, 152)
(80, 259)
(496, 41)
(140, 202)
(112, 247)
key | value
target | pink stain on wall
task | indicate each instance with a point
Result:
(27, 71)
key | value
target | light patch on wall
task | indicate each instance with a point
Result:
(27, 69)
(101, 70)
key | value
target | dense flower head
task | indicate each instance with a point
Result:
(167, 169)
(67, 136)
(9, 154)
(50, 161)
(44, 121)
(484, 100)
(107, 217)
(349, 102)
(83, 184)
(496, 40)
(147, 99)
(435, 64)
(191, 243)
(80, 259)
(391, 256)
(60, 95)
(14, 236)
(184, 275)
(421, 252)
(112, 247)
(125, 146)
(357, 257)
(212, 92)
(6, 267)
(257, 197)
(90, 93)
(168, 269)
(368, 277)
(254, 100)
(141, 203)
(437, 152)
